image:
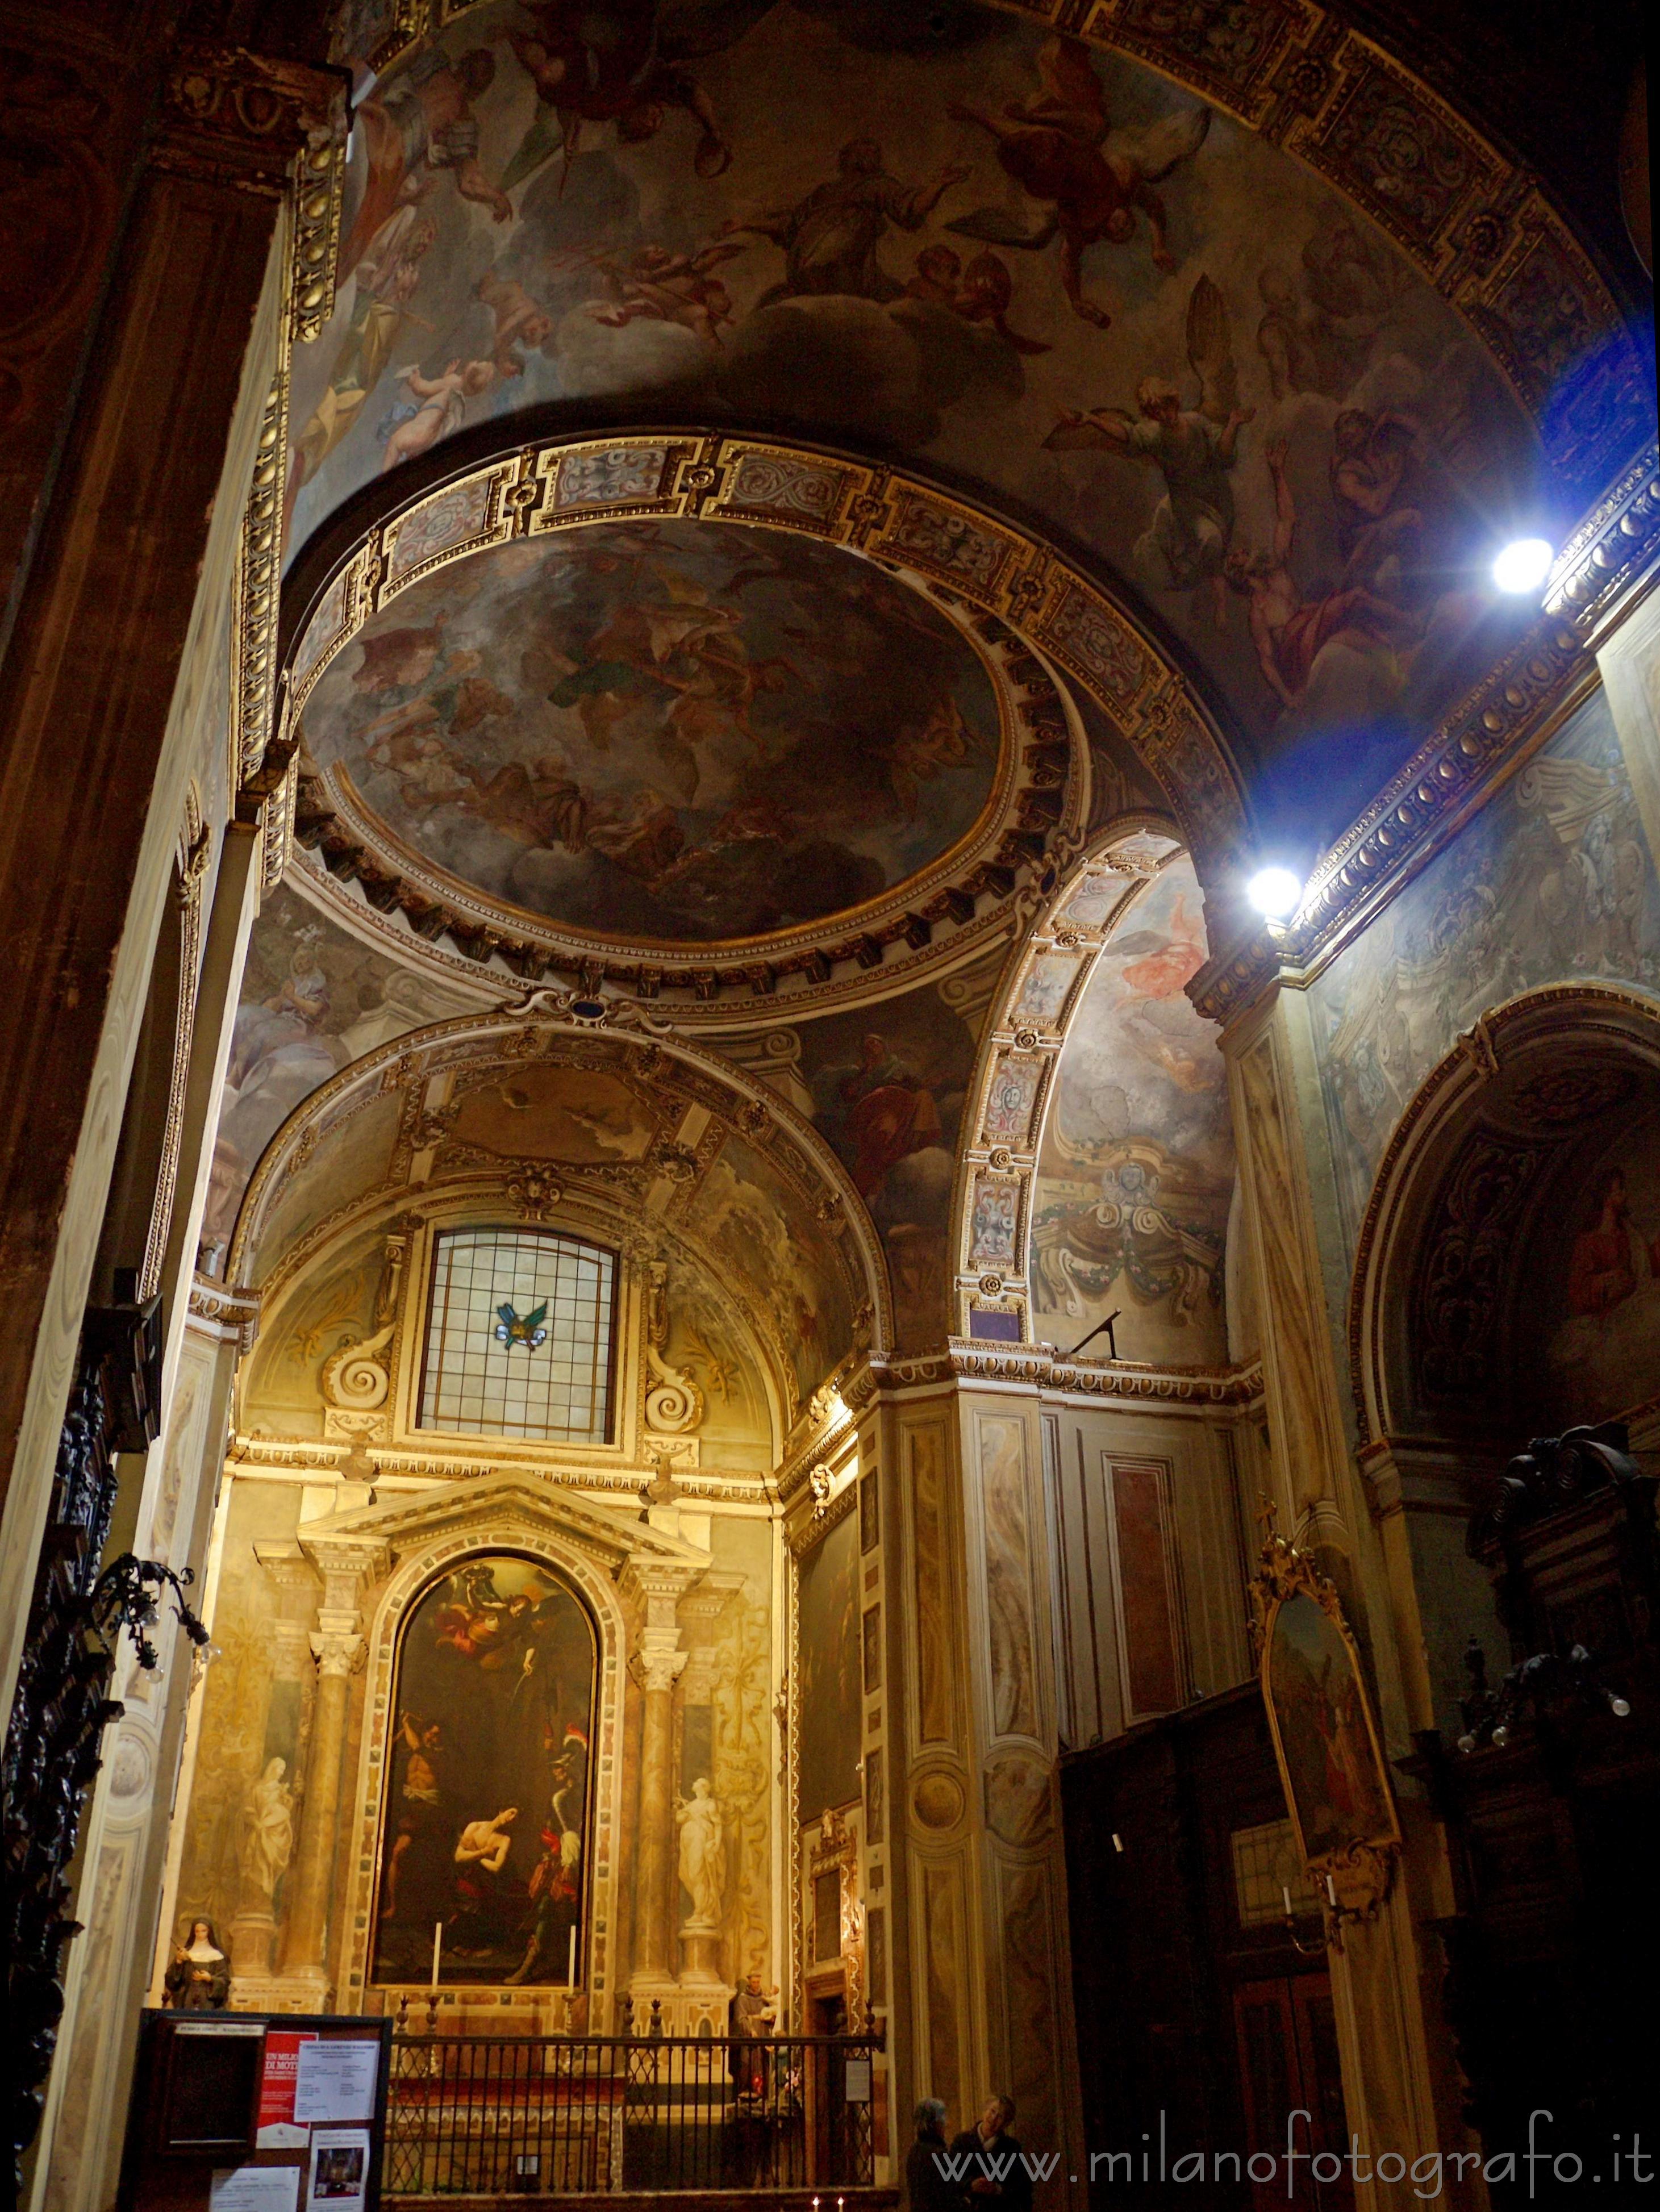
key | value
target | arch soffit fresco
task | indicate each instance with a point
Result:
(1564, 1028)
(1043, 985)
(1487, 237)
(1036, 621)
(835, 1241)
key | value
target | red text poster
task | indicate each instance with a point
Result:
(278, 2129)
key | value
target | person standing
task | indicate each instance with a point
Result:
(995, 2176)
(927, 2189)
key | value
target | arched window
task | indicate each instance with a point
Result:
(520, 1336)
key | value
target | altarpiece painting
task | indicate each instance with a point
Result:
(486, 1832)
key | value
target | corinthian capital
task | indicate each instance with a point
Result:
(659, 1669)
(338, 1652)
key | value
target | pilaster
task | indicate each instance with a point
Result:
(1400, 2079)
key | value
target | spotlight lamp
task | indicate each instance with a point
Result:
(1524, 565)
(1276, 893)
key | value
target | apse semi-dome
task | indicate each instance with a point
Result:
(661, 731)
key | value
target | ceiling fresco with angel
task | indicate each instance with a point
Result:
(1042, 270)
(663, 730)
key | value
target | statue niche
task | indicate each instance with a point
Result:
(485, 1843)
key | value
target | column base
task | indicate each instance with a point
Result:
(252, 1939)
(700, 1955)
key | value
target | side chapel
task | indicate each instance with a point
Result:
(830, 1179)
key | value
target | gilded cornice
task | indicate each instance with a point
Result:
(230, 1313)
(1605, 568)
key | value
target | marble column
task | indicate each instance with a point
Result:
(339, 1649)
(656, 1588)
(654, 1856)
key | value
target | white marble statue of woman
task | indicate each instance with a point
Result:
(698, 1818)
(268, 1829)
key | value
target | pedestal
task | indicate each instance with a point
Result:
(700, 1953)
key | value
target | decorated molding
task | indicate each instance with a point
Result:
(1601, 573)
(1026, 611)
(232, 1314)
(259, 124)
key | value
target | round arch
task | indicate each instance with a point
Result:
(370, 1141)
(1035, 1013)
(1469, 1182)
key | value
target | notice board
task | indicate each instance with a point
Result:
(257, 2112)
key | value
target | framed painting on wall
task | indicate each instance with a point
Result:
(1325, 1739)
(485, 1843)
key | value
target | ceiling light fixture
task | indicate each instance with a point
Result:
(1524, 565)
(1275, 893)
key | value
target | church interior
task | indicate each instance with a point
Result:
(753, 1475)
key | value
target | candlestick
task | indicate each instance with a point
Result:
(437, 1949)
(570, 1969)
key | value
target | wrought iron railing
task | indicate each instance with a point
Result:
(54, 1732)
(553, 2115)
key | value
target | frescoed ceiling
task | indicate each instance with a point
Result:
(1026, 267)
(658, 730)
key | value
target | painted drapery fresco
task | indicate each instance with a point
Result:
(1552, 879)
(1135, 1171)
(1074, 283)
(485, 1831)
(828, 1640)
(665, 730)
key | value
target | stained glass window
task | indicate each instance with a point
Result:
(518, 1336)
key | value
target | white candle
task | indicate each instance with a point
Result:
(1285, 1891)
(1331, 1892)
(570, 1970)
(437, 1949)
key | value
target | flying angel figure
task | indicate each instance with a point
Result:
(528, 1329)
(1059, 146)
(1186, 546)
